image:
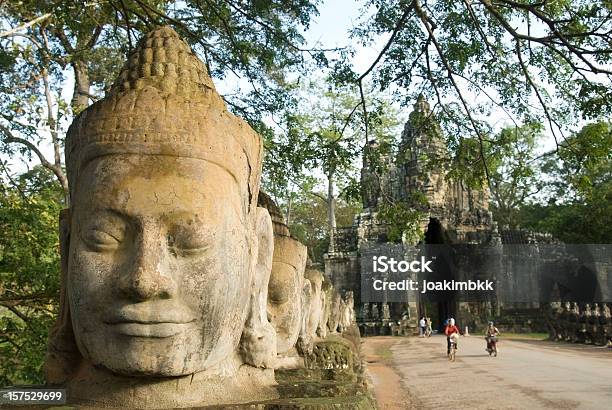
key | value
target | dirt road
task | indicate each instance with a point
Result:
(413, 373)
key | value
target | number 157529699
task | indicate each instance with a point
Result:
(16, 396)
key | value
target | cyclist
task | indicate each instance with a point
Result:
(448, 331)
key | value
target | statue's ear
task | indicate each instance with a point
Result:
(63, 356)
(258, 343)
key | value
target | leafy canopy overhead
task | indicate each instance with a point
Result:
(530, 61)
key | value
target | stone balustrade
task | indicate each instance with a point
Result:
(580, 323)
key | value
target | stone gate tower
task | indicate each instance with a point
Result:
(417, 176)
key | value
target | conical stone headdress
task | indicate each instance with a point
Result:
(164, 103)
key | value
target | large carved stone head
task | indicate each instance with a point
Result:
(317, 303)
(285, 289)
(165, 253)
(286, 280)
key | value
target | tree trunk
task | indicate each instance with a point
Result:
(331, 210)
(288, 218)
(80, 97)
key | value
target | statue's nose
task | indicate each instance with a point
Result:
(149, 276)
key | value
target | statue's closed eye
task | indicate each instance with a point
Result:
(100, 240)
(185, 242)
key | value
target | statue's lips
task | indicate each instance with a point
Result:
(148, 320)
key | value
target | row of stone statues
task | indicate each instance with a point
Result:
(303, 305)
(178, 289)
(586, 323)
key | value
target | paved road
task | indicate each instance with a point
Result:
(413, 373)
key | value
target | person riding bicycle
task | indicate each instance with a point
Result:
(448, 331)
(491, 334)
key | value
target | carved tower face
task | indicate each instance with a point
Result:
(167, 255)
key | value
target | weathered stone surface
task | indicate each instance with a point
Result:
(570, 323)
(316, 311)
(456, 213)
(335, 312)
(347, 316)
(286, 282)
(327, 290)
(181, 285)
(305, 341)
(165, 255)
(284, 305)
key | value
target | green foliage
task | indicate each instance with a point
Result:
(579, 208)
(404, 219)
(514, 173)
(573, 222)
(586, 160)
(29, 273)
(545, 62)
(309, 221)
(260, 42)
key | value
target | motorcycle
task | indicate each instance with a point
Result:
(492, 345)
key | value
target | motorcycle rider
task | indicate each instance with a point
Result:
(491, 333)
(448, 331)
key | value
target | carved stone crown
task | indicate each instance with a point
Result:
(164, 103)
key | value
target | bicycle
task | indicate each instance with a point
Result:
(453, 347)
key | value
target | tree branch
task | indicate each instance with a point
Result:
(25, 25)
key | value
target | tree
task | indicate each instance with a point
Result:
(514, 171)
(585, 165)
(310, 224)
(535, 61)
(324, 136)
(579, 206)
(259, 41)
(335, 143)
(29, 272)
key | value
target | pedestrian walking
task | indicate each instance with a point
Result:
(422, 326)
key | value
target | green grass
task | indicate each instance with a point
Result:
(528, 336)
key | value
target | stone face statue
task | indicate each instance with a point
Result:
(284, 291)
(596, 311)
(587, 310)
(285, 310)
(350, 303)
(606, 311)
(365, 311)
(386, 312)
(327, 291)
(336, 311)
(575, 309)
(316, 305)
(348, 314)
(305, 344)
(165, 255)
